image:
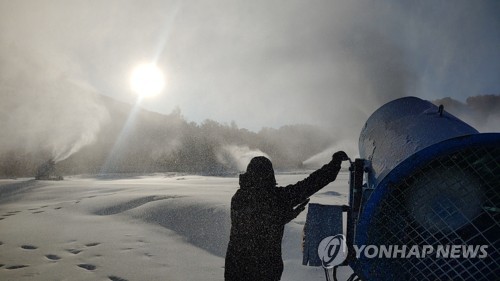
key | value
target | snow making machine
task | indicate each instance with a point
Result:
(48, 171)
(424, 201)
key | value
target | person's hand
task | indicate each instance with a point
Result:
(339, 156)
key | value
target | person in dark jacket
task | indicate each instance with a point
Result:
(259, 212)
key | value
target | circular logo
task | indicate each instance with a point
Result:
(332, 250)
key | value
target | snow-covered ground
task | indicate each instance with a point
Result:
(153, 227)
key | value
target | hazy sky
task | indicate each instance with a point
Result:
(261, 63)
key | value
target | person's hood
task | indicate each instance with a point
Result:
(259, 174)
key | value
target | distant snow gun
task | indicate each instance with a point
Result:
(424, 201)
(47, 171)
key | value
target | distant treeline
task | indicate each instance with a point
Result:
(152, 142)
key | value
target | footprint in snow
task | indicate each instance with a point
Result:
(87, 266)
(16, 266)
(53, 257)
(116, 278)
(74, 251)
(92, 244)
(29, 247)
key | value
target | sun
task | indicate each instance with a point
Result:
(147, 80)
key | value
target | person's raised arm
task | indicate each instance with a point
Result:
(296, 193)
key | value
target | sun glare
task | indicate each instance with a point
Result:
(147, 80)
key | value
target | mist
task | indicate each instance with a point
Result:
(481, 112)
(238, 157)
(242, 78)
(42, 110)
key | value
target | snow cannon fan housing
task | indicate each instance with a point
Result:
(432, 180)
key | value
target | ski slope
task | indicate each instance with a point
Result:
(155, 227)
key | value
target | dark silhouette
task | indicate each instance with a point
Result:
(47, 171)
(259, 212)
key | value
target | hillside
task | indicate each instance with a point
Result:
(134, 140)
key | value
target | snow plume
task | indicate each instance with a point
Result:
(44, 111)
(237, 157)
(481, 112)
(325, 156)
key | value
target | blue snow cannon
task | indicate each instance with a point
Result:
(427, 184)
